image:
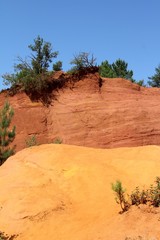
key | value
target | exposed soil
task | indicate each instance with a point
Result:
(64, 192)
(89, 111)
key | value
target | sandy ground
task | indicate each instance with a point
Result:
(63, 192)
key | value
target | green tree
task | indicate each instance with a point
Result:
(32, 74)
(43, 55)
(57, 66)
(120, 69)
(154, 81)
(106, 70)
(120, 195)
(6, 135)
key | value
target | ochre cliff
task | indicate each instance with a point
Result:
(64, 192)
(115, 113)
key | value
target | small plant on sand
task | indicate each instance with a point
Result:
(120, 195)
(139, 197)
(31, 141)
(154, 193)
(149, 196)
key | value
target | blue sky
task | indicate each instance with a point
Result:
(110, 29)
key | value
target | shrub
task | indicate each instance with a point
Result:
(82, 61)
(6, 135)
(154, 193)
(137, 197)
(57, 66)
(58, 140)
(120, 195)
(31, 141)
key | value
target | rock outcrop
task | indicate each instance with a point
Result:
(64, 192)
(93, 112)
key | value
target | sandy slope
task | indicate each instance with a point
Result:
(63, 192)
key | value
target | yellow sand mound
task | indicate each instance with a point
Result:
(63, 192)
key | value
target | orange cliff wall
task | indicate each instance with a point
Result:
(117, 114)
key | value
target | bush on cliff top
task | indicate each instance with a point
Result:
(31, 75)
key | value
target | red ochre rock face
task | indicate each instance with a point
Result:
(93, 112)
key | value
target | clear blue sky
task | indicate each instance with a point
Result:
(110, 29)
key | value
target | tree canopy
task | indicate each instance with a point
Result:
(119, 68)
(154, 81)
(43, 55)
(30, 74)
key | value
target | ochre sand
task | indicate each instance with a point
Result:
(63, 192)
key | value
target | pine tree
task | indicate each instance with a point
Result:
(6, 135)
(106, 70)
(120, 69)
(155, 79)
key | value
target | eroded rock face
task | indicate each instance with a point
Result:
(64, 192)
(116, 114)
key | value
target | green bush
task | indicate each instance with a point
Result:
(137, 197)
(57, 66)
(120, 195)
(154, 193)
(58, 140)
(31, 141)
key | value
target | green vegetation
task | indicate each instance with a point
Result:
(120, 195)
(118, 69)
(154, 81)
(58, 140)
(106, 70)
(31, 141)
(57, 66)
(6, 135)
(149, 196)
(32, 76)
(82, 61)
